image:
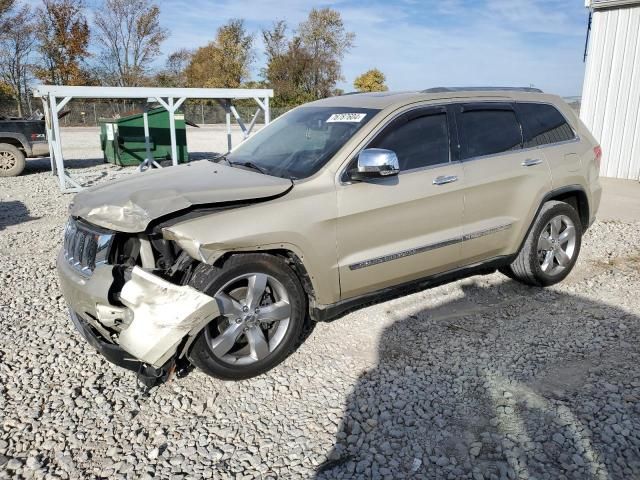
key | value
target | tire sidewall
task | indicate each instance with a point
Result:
(20, 164)
(211, 281)
(550, 211)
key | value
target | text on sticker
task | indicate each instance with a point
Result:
(346, 117)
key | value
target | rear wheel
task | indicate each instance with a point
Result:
(12, 160)
(551, 248)
(263, 310)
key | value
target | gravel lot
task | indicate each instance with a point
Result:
(481, 378)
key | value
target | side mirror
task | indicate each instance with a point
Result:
(375, 163)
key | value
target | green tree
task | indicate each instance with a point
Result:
(324, 37)
(371, 81)
(288, 67)
(307, 66)
(63, 37)
(224, 62)
(129, 36)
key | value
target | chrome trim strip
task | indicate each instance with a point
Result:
(427, 248)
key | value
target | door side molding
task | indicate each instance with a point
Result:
(432, 246)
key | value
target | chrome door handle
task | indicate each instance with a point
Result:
(443, 180)
(530, 162)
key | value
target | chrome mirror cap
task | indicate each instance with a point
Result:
(377, 162)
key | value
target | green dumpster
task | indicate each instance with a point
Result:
(122, 139)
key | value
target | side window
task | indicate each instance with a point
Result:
(487, 132)
(419, 141)
(543, 125)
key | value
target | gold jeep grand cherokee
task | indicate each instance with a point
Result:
(225, 264)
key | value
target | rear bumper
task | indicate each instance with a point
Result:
(39, 149)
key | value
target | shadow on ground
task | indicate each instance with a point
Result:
(506, 382)
(14, 212)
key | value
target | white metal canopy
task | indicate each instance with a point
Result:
(55, 97)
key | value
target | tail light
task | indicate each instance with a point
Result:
(597, 151)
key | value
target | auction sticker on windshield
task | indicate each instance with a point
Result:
(346, 117)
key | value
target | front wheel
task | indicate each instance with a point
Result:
(551, 248)
(263, 311)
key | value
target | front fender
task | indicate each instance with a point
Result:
(303, 223)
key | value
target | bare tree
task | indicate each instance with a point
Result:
(16, 45)
(174, 72)
(63, 42)
(130, 35)
(5, 9)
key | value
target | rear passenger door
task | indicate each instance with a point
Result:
(504, 182)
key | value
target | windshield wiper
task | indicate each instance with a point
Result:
(250, 165)
(219, 158)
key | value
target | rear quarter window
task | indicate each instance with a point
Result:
(543, 124)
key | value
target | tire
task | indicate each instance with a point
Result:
(12, 160)
(247, 358)
(540, 262)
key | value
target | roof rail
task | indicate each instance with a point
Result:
(481, 89)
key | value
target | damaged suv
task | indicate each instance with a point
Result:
(225, 264)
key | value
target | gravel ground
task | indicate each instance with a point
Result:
(482, 378)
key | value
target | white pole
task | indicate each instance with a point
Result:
(147, 138)
(172, 129)
(267, 111)
(47, 126)
(228, 120)
(57, 149)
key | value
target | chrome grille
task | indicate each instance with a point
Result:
(86, 246)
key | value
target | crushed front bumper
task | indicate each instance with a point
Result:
(110, 351)
(148, 327)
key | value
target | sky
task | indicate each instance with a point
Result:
(419, 43)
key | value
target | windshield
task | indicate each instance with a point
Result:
(301, 142)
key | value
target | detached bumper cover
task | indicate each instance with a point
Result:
(162, 315)
(157, 315)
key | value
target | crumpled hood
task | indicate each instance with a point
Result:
(130, 204)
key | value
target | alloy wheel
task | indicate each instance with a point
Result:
(557, 245)
(255, 314)
(7, 160)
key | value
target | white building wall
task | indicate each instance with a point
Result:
(611, 92)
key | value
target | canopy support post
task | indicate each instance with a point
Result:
(227, 116)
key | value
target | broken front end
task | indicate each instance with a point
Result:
(128, 297)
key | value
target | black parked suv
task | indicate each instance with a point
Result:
(20, 138)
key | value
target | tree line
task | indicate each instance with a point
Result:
(55, 43)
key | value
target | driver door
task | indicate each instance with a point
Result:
(393, 230)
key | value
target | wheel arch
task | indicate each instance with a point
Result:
(574, 195)
(17, 140)
(291, 257)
